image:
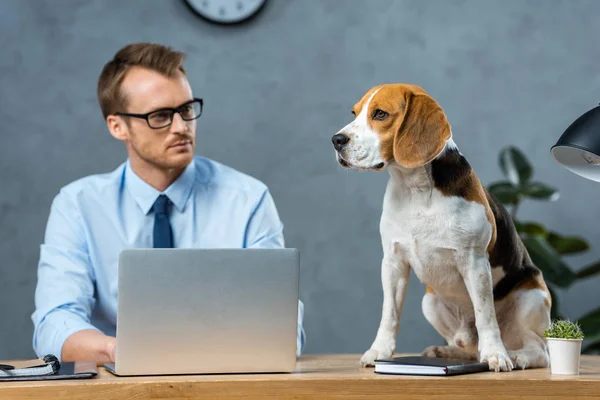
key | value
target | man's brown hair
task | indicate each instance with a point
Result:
(153, 56)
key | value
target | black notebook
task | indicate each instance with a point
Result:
(416, 365)
(47, 368)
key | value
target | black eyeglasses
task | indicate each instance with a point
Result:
(163, 117)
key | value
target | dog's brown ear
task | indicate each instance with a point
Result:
(423, 133)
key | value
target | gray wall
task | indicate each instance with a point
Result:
(507, 73)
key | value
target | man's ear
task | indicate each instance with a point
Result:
(423, 133)
(117, 127)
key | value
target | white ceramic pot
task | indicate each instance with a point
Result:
(564, 355)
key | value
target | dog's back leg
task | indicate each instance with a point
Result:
(460, 334)
(523, 331)
(449, 352)
(533, 355)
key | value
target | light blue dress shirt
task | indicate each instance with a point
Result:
(94, 218)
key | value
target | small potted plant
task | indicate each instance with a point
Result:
(564, 344)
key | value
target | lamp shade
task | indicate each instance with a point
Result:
(578, 149)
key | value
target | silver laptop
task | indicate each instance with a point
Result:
(196, 311)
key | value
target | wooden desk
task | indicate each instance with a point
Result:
(322, 376)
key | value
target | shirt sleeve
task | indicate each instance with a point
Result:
(64, 295)
(265, 230)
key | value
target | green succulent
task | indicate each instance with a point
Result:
(564, 329)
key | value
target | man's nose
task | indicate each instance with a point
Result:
(339, 141)
(178, 125)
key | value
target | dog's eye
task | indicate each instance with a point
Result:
(380, 115)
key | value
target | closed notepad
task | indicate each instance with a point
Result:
(416, 365)
(47, 368)
(40, 366)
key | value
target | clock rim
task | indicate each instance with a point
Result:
(235, 22)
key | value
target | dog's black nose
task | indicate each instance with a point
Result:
(339, 140)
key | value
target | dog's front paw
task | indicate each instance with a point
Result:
(368, 359)
(497, 359)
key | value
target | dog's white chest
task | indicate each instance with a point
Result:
(433, 233)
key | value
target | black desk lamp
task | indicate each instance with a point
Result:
(578, 149)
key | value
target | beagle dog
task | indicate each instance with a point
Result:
(483, 293)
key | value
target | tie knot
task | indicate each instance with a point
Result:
(160, 205)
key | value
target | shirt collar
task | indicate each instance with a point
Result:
(145, 195)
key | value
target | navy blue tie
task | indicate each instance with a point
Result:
(163, 237)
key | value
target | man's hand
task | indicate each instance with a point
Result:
(90, 345)
(111, 348)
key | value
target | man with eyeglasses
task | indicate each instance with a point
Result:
(162, 196)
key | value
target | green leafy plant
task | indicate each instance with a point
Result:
(564, 329)
(546, 248)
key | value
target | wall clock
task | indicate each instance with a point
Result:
(226, 12)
